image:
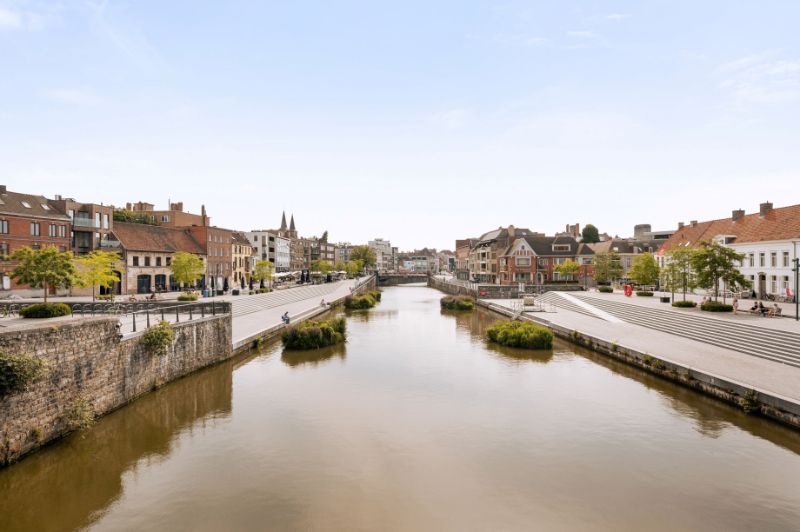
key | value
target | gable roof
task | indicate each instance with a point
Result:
(156, 238)
(778, 224)
(15, 203)
(543, 245)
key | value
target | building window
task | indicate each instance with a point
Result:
(3, 251)
(773, 259)
(785, 259)
(62, 231)
(135, 260)
(4, 227)
(785, 283)
(169, 261)
(773, 284)
(71, 213)
(522, 261)
(51, 230)
(26, 204)
(761, 259)
(105, 221)
(35, 229)
(147, 261)
(97, 220)
(752, 258)
(158, 261)
(165, 218)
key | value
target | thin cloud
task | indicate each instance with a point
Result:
(617, 16)
(10, 20)
(520, 39)
(71, 96)
(764, 78)
(583, 34)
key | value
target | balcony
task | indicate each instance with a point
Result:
(85, 222)
(113, 244)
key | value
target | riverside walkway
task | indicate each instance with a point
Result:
(759, 353)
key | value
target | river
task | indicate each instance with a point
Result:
(415, 424)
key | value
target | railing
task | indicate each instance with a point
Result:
(86, 222)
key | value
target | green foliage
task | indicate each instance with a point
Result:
(365, 254)
(354, 266)
(749, 402)
(605, 289)
(714, 263)
(188, 296)
(644, 270)
(159, 337)
(607, 267)
(96, 269)
(684, 304)
(17, 371)
(43, 268)
(340, 266)
(125, 215)
(677, 274)
(315, 334)
(324, 237)
(716, 306)
(45, 310)
(263, 271)
(590, 234)
(362, 302)
(321, 266)
(106, 297)
(525, 334)
(568, 269)
(187, 268)
(80, 414)
(457, 303)
(644, 293)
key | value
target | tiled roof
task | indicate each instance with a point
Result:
(142, 237)
(625, 246)
(778, 224)
(240, 239)
(28, 205)
(543, 245)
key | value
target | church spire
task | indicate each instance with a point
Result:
(283, 221)
(291, 224)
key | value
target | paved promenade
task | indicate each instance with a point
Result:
(754, 352)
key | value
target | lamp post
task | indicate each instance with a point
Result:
(796, 271)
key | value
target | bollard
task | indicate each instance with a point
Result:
(213, 308)
(190, 313)
(147, 312)
(177, 316)
(134, 321)
(162, 313)
(203, 310)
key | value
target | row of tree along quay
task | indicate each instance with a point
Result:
(711, 266)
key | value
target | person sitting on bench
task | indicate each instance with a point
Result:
(285, 318)
(775, 311)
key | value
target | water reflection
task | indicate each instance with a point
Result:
(313, 357)
(514, 354)
(67, 485)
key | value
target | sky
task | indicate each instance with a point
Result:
(416, 121)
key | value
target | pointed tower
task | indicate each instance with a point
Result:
(283, 222)
(292, 230)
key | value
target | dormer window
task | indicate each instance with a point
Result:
(26, 204)
(561, 247)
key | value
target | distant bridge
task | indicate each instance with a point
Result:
(393, 279)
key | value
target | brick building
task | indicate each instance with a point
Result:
(533, 259)
(243, 260)
(90, 223)
(28, 220)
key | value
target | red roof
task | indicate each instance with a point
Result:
(778, 224)
(143, 237)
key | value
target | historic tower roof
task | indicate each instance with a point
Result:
(291, 224)
(283, 221)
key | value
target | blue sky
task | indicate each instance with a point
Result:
(421, 122)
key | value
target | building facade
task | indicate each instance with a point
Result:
(243, 260)
(385, 254)
(90, 223)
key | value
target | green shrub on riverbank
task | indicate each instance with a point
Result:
(716, 306)
(605, 289)
(188, 296)
(684, 304)
(17, 371)
(45, 310)
(362, 302)
(520, 334)
(457, 303)
(315, 334)
(159, 337)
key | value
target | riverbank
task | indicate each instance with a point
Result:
(753, 394)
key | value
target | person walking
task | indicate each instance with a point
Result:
(735, 305)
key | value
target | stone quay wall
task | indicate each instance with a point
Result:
(92, 370)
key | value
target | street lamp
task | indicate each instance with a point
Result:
(796, 271)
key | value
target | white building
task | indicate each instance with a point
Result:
(384, 254)
(269, 246)
(769, 240)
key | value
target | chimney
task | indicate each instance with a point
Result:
(2, 189)
(58, 197)
(680, 225)
(737, 215)
(511, 231)
(765, 208)
(694, 223)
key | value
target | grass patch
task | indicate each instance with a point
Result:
(45, 310)
(457, 303)
(315, 334)
(526, 335)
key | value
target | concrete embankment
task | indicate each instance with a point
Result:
(740, 394)
(272, 330)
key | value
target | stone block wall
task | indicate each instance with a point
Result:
(90, 364)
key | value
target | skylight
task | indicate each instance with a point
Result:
(26, 204)
(45, 207)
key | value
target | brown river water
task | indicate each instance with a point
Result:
(415, 424)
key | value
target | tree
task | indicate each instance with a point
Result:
(679, 270)
(263, 271)
(607, 267)
(187, 268)
(714, 263)
(321, 266)
(568, 269)
(590, 234)
(365, 254)
(96, 269)
(324, 237)
(644, 270)
(125, 215)
(340, 266)
(354, 267)
(43, 268)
